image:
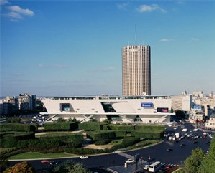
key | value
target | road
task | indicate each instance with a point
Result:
(157, 152)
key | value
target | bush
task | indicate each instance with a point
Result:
(17, 127)
(120, 133)
(104, 135)
(9, 141)
(122, 127)
(92, 126)
(24, 136)
(139, 134)
(102, 142)
(61, 126)
(150, 128)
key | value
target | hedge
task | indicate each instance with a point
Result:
(93, 126)
(150, 128)
(102, 142)
(17, 127)
(41, 144)
(61, 126)
(120, 133)
(122, 127)
(139, 134)
(102, 135)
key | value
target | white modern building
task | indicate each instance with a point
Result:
(138, 109)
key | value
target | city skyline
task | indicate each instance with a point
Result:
(73, 48)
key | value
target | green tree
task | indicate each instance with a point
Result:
(192, 163)
(208, 164)
(70, 167)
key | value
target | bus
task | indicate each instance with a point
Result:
(154, 167)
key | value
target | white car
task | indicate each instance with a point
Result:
(130, 161)
(83, 157)
(184, 130)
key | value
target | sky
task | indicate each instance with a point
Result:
(73, 48)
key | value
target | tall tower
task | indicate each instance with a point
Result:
(136, 70)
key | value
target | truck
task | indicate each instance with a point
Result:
(177, 135)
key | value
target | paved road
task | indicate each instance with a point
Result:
(157, 152)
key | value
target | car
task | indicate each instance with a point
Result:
(45, 162)
(169, 149)
(84, 157)
(130, 161)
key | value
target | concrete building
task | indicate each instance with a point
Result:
(139, 109)
(9, 105)
(136, 70)
(26, 102)
(210, 124)
(182, 102)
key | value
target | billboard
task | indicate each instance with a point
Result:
(147, 105)
(162, 109)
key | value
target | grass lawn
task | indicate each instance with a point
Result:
(34, 155)
(143, 143)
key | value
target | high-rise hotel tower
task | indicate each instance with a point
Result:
(136, 70)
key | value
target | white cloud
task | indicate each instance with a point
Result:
(149, 8)
(166, 39)
(2, 2)
(16, 12)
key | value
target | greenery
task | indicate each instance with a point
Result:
(208, 163)
(22, 167)
(60, 139)
(192, 163)
(17, 127)
(92, 126)
(34, 155)
(198, 162)
(69, 167)
(61, 126)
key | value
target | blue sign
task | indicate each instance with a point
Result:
(197, 107)
(147, 104)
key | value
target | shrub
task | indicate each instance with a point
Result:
(139, 134)
(91, 126)
(18, 127)
(121, 127)
(61, 126)
(102, 142)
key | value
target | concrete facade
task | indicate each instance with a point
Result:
(136, 70)
(140, 110)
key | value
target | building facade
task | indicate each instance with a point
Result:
(136, 70)
(139, 109)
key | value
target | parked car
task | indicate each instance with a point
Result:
(84, 157)
(45, 162)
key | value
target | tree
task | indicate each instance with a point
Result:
(192, 163)
(69, 167)
(208, 164)
(21, 167)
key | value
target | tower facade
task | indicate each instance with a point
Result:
(136, 70)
